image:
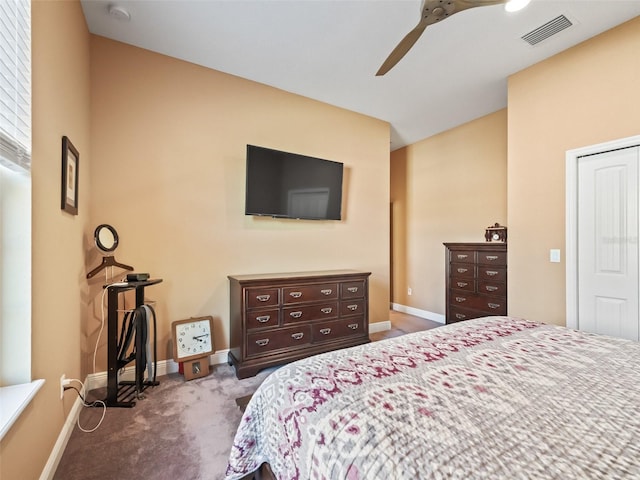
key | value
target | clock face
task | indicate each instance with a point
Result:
(193, 338)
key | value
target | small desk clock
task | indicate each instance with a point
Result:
(496, 233)
(192, 345)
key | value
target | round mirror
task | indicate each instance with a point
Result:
(106, 238)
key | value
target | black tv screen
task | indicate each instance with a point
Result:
(289, 185)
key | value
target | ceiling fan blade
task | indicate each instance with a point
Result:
(433, 11)
(401, 49)
(477, 3)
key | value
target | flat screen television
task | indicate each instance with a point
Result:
(290, 185)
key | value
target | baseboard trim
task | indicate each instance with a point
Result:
(163, 367)
(379, 326)
(436, 317)
(50, 467)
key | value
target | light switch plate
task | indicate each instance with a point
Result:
(554, 255)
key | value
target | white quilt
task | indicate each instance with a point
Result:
(491, 398)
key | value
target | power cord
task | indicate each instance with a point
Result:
(95, 350)
(87, 405)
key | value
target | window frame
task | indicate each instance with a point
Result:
(17, 388)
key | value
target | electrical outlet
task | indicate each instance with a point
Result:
(409, 291)
(63, 380)
(64, 383)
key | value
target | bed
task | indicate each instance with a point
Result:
(490, 398)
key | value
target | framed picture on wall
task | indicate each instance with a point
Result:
(70, 164)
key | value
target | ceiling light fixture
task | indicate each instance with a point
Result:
(516, 5)
(119, 13)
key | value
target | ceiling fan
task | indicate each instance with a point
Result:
(433, 11)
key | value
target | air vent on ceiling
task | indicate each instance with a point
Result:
(547, 30)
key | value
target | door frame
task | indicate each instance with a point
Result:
(572, 158)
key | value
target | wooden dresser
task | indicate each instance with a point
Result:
(476, 275)
(279, 318)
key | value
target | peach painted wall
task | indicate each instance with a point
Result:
(586, 95)
(168, 143)
(446, 188)
(60, 82)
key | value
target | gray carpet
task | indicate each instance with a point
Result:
(180, 430)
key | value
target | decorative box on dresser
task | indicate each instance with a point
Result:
(279, 318)
(476, 275)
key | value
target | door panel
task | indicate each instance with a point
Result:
(608, 243)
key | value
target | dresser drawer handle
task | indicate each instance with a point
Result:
(326, 310)
(326, 291)
(490, 288)
(263, 298)
(297, 336)
(353, 308)
(262, 342)
(491, 257)
(492, 273)
(295, 314)
(463, 270)
(353, 326)
(325, 331)
(296, 294)
(460, 316)
(263, 318)
(460, 299)
(352, 289)
(462, 257)
(493, 305)
(462, 284)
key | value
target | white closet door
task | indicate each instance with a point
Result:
(608, 243)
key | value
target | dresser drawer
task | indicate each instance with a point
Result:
(493, 288)
(309, 293)
(462, 256)
(463, 284)
(497, 274)
(352, 290)
(262, 297)
(491, 305)
(462, 270)
(492, 258)
(351, 307)
(269, 340)
(327, 331)
(263, 319)
(459, 314)
(307, 313)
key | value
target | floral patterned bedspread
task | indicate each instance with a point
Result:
(491, 398)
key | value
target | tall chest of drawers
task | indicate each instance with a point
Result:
(279, 318)
(476, 276)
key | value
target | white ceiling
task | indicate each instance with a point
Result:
(330, 50)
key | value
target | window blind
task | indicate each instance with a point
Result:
(15, 84)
